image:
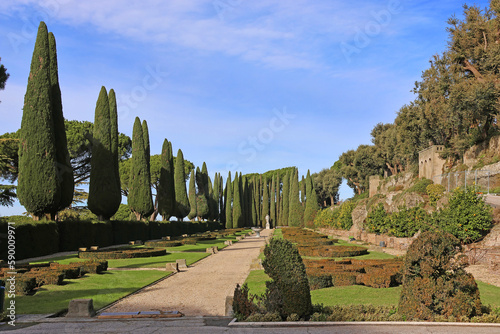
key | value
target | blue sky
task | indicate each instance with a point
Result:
(242, 85)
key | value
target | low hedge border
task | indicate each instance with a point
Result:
(332, 251)
(122, 253)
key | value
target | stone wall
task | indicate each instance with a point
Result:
(374, 181)
(372, 238)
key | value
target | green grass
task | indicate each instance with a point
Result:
(356, 294)
(103, 289)
(490, 294)
(277, 233)
(256, 282)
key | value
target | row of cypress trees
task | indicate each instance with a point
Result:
(288, 202)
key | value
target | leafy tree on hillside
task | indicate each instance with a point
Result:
(3, 76)
(327, 183)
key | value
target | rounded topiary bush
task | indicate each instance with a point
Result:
(288, 293)
(435, 282)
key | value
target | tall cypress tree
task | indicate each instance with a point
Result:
(113, 118)
(38, 188)
(272, 203)
(215, 199)
(254, 201)
(102, 187)
(192, 196)
(237, 216)
(181, 197)
(222, 213)
(140, 199)
(278, 200)
(147, 149)
(228, 202)
(166, 186)
(302, 185)
(201, 197)
(265, 202)
(295, 208)
(245, 202)
(311, 202)
(64, 168)
(285, 200)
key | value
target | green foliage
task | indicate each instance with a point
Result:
(3, 76)
(285, 203)
(202, 209)
(140, 198)
(467, 216)
(181, 197)
(192, 197)
(123, 213)
(288, 293)
(345, 215)
(115, 147)
(326, 185)
(243, 305)
(166, 185)
(326, 217)
(228, 200)
(404, 223)
(435, 192)
(237, 212)
(104, 193)
(421, 186)
(63, 166)
(38, 185)
(311, 202)
(435, 282)
(295, 215)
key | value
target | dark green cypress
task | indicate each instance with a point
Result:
(215, 198)
(166, 186)
(201, 197)
(237, 214)
(181, 197)
(192, 196)
(140, 199)
(113, 117)
(295, 216)
(265, 203)
(145, 133)
(253, 202)
(245, 202)
(312, 206)
(272, 203)
(102, 187)
(228, 202)
(64, 168)
(302, 185)
(285, 202)
(38, 188)
(222, 213)
(278, 200)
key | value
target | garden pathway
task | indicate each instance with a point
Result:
(203, 287)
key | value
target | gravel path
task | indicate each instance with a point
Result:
(202, 288)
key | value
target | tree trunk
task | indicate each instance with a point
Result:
(332, 201)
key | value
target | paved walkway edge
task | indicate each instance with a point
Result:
(277, 324)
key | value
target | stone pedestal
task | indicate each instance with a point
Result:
(81, 308)
(182, 263)
(268, 226)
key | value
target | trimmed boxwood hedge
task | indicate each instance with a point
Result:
(163, 243)
(123, 253)
(332, 251)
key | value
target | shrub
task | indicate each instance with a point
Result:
(326, 217)
(376, 220)
(332, 251)
(421, 186)
(319, 281)
(435, 282)
(123, 253)
(46, 276)
(284, 265)
(163, 243)
(243, 305)
(467, 216)
(345, 215)
(435, 192)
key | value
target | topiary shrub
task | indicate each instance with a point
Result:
(435, 282)
(288, 292)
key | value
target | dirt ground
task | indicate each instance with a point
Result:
(200, 290)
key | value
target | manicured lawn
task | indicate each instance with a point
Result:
(490, 294)
(103, 289)
(356, 294)
(256, 282)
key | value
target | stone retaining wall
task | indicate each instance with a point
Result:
(392, 242)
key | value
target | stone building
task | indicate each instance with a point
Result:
(429, 162)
